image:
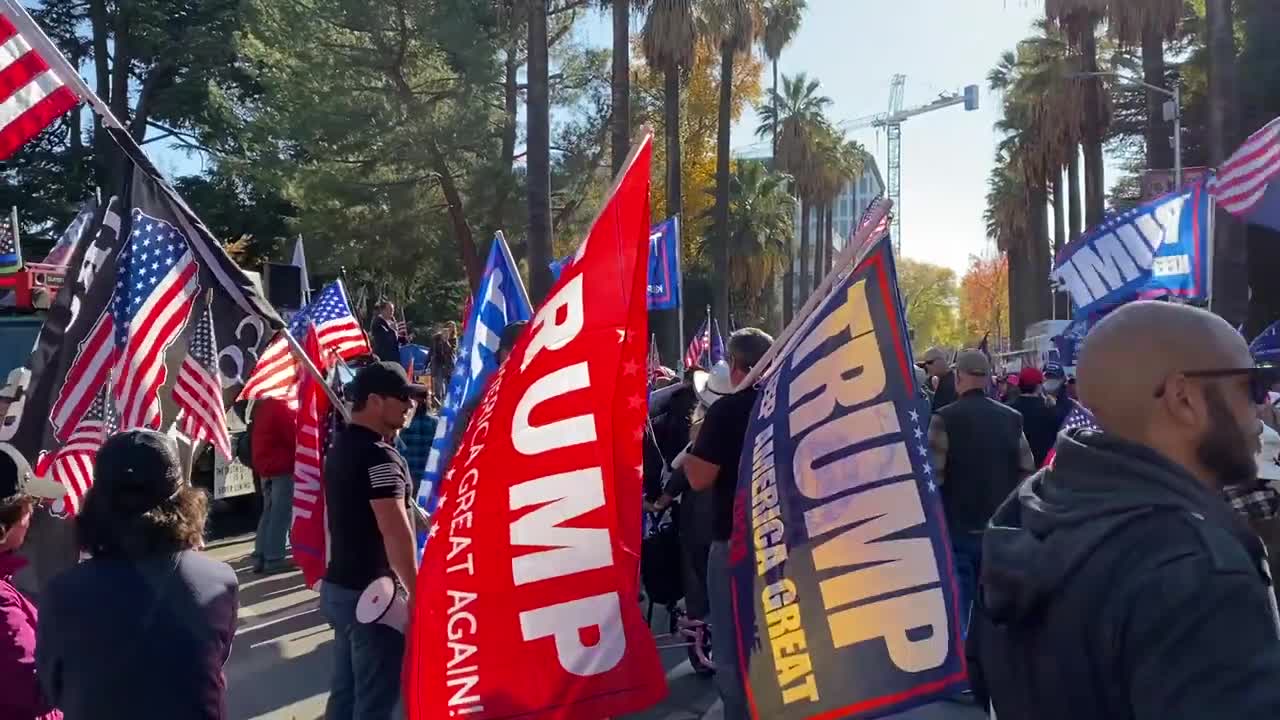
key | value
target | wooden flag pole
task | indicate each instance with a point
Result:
(854, 251)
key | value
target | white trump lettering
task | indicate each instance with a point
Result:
(565, 623)
(563, 497)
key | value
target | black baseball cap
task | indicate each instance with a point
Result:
(17, 481)
(384, 378)
(139, 468)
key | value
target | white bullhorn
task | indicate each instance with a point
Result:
(380, 603)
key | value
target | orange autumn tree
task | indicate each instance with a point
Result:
(984, 299)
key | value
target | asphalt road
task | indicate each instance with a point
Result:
(280, 664)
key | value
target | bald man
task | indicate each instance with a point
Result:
(1118, 583)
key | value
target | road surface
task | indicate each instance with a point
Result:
(280, 664)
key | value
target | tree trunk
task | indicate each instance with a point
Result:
(467, 252)
(1159, 147)
(666, 323)
(621, 83)
(1038, 303)
(510, 125)
(1061, 306)
(1073, 194)
(1230, 260)
(1017, 299)
(774, 99)
(538, 122)
(1094, 171)
(804, 251)
(104, 150)
(831, 237)
(720, 281)
(789, 279)
(819, 236)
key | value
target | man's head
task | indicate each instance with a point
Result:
(140, 503)
(383, 399)
(510, 334)
(934, 362)
(746, 347)
(450, 330)
(1055, 376)
(1179, 380)
(20, 490)
(386, 309)
(973, 371)
(1029, 380)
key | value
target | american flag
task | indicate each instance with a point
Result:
(1241, 182)
(61, 252)
(157, 281)
(716, 350)
(1078, 418)
(276, 373)
(95, 354)
(72, 464)
(33, 95)
(10, 256)
(881, 227)
(699, 346)
(198, 391)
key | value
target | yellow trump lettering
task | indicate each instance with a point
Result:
(852, 374)
(891, 620)
(862, 468)
(777, 594)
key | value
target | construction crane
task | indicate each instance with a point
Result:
(892, 123)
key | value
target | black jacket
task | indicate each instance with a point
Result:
(1114, 585)
(386, 344)
(1040, 423)
(983, 462)
(946, 392)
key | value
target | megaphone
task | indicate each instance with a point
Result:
(380, 603)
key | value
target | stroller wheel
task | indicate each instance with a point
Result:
(699, 649)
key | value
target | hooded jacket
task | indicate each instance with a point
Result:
(1114, 585)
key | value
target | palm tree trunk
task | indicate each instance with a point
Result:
(1060, 306)
(789, 281)
(818, 237)
(1230, 260)
(671, 108)
(1159, 149)
(1037, 280)
(1017, 300)
(831, 236)
(804, 250)
(1073, 193)
(1094, 172)
(774, 99)
(621, 84)
(538, 121)
(720, 282)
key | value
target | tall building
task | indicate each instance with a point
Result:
(850, 204)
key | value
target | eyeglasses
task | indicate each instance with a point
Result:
(1261, 378)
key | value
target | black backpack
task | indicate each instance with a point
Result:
(243, 448)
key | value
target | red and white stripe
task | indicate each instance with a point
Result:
(94, 357)
(72, 464)
(197, 391)
(32, 95)
(1242, 180)
(140, 369)
(276, 373)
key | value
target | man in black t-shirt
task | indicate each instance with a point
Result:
(371, 535)
(712, 464)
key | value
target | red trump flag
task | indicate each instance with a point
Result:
(525, 605)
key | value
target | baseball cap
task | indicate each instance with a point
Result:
(139, 469)
(972, 362)
(1054, 370)
(383, 378)
(933, 354)
(1030, 377)
(18, 481)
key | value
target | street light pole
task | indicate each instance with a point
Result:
(1176, 95)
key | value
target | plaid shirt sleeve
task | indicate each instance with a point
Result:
(1259, 504)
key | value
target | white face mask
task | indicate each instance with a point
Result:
(1051, 386)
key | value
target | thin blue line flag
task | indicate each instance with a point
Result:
(842, 577)
(499, 302)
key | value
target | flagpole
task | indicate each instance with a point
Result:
(17, 234)
(708, 346)
(679, 307)
(511, 263)
(852, 254)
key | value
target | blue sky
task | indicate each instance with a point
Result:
(854, 47)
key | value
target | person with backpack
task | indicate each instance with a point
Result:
(273, 441)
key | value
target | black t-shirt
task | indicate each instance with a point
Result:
(946, 392)
(358, 468)
(720, 443)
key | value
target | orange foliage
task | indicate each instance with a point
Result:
(984, 299)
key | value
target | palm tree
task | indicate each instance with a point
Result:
(761, 225)
(538, 163)
(838, 160)
(781, 23)
(733, 24)
(1079, 20)
(796, 116)
(669, 39)
(1148, 23)
(620, 83)
(1230, 299)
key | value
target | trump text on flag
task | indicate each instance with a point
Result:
(844, 591)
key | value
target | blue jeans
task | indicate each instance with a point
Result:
(366, 661)
(967, 549)
(277, 516)
(724, 647)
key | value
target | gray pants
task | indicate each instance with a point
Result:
(271, 544)
(724, 648)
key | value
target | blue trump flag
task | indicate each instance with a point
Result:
(1156, 249)
(500, 300)
(1266, 347)
(843, 587)
(664, 265)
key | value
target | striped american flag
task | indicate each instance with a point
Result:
(699, 346)
(156, 284)
(32, 95)
(1242, 180)
(276, 373)
(880, 228)
(1078, 418)
(198, 391)
(72, 464)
